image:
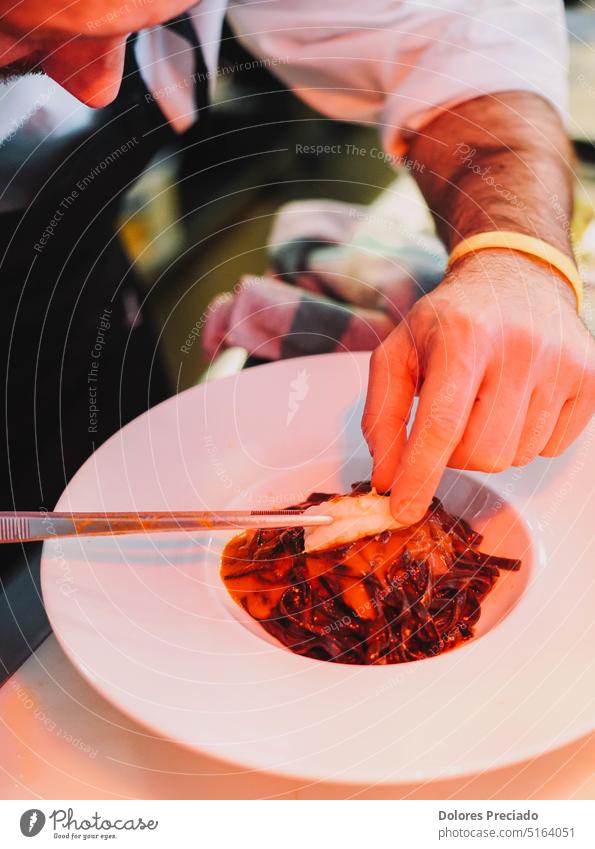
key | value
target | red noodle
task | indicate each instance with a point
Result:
(398, 596)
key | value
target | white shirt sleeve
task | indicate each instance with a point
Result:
(395, 62)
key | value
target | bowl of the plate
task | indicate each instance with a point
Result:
(148, 621)
(504, 531)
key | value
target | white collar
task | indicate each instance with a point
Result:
(167, 62)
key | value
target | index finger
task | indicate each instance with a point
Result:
(446, 399)
(391, 389)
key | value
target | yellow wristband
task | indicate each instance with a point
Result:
(540, 250)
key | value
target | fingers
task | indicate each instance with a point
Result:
(501, 384)
(574, 417)
(391, 389)
(495, 427)
(578, 408)
(493, 433)
(445, 402)
(542, 415)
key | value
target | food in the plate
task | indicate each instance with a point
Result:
(394, 595)
(355, 516)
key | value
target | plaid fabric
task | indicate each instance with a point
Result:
(274, 320)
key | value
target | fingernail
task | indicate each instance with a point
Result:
(406, 513)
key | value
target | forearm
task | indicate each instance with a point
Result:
(498, 162)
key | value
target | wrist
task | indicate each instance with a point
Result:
(540, 252)
(511, 269)
(498, 162)
(550, 236)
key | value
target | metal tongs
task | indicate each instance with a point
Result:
(30, 526)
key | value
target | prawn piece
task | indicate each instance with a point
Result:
(355, 517)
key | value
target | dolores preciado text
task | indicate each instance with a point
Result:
(488, 815)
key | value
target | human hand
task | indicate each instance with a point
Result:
(504, 369)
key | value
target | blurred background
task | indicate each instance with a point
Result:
(187, 253)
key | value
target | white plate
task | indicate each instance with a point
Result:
(148, 622)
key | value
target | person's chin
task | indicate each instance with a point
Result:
(88, 93)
